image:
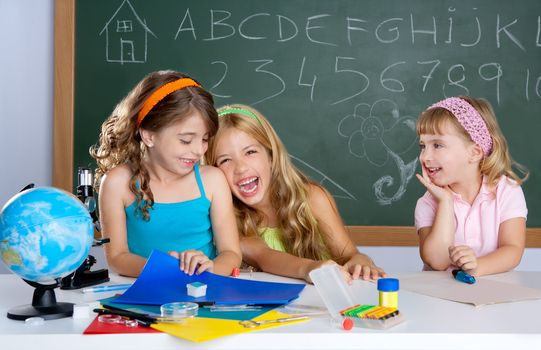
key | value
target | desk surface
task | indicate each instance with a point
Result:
(431, 323)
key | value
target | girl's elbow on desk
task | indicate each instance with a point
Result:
(434, 260)
(435, 264)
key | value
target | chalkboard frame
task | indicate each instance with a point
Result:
(63, 140)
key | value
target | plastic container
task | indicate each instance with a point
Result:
(177, 312)
(335, 292)
(337, 296)
(377, 324)
(388, 292)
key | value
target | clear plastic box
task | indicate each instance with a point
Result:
(372, 324)
(177, 312)
(337, 295)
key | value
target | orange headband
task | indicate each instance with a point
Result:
(160, 94)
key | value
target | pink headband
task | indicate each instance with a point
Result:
(470, 120)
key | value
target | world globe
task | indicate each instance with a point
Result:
(45, 234)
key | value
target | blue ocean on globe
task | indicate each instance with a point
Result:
(45, 233)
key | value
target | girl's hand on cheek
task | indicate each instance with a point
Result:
(439, 192)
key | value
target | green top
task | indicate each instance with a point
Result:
(273, 237)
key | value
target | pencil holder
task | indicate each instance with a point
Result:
(341, 298)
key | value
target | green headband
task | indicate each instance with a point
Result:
(239, 110)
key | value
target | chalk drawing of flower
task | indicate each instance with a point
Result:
(376, 130)
(378, 133)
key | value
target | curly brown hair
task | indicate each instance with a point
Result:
(120, 141)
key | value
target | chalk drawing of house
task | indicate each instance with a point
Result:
(126, 36)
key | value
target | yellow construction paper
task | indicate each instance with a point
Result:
(201, 329)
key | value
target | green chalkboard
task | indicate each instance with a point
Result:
(342, 81)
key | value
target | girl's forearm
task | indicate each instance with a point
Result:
(360, 259)
(503, 259)
(225, 262)
(284, 264)
(126, 264)
(435, 247)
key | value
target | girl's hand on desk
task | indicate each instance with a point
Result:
(193, 261)
(317, 264)
(366, 272)
(464, 258)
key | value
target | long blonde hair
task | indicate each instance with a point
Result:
(288, 189)
(120, 141)
(499, 162)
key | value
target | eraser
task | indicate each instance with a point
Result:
(235, 272)
(197, 289)
(347, 324)
(81, 311)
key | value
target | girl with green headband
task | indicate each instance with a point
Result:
(289, 225)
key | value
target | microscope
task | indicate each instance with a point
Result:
(83, 276)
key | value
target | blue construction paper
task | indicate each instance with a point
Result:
(154, 310)
(161, 282)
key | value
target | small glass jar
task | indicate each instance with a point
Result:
(388, 292)
(177, 312)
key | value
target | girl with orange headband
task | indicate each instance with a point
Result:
(289, 224)
(153, 194)
(473, 214)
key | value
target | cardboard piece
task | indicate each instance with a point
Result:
(441, 284)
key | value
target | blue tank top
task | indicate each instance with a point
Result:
(172, 226)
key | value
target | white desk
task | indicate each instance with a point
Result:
(430, 323)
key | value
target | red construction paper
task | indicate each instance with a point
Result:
(97, 327)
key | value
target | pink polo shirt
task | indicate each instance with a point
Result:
(477, 225)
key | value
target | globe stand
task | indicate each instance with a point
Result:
(44, 304)
(84, 277)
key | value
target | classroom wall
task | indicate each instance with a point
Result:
(26, 117)
(26, 94)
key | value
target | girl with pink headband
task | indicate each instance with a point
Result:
(153, 193)
(473, 214)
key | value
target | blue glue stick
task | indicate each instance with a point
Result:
(462, 276)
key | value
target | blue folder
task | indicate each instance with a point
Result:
(162, 281)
